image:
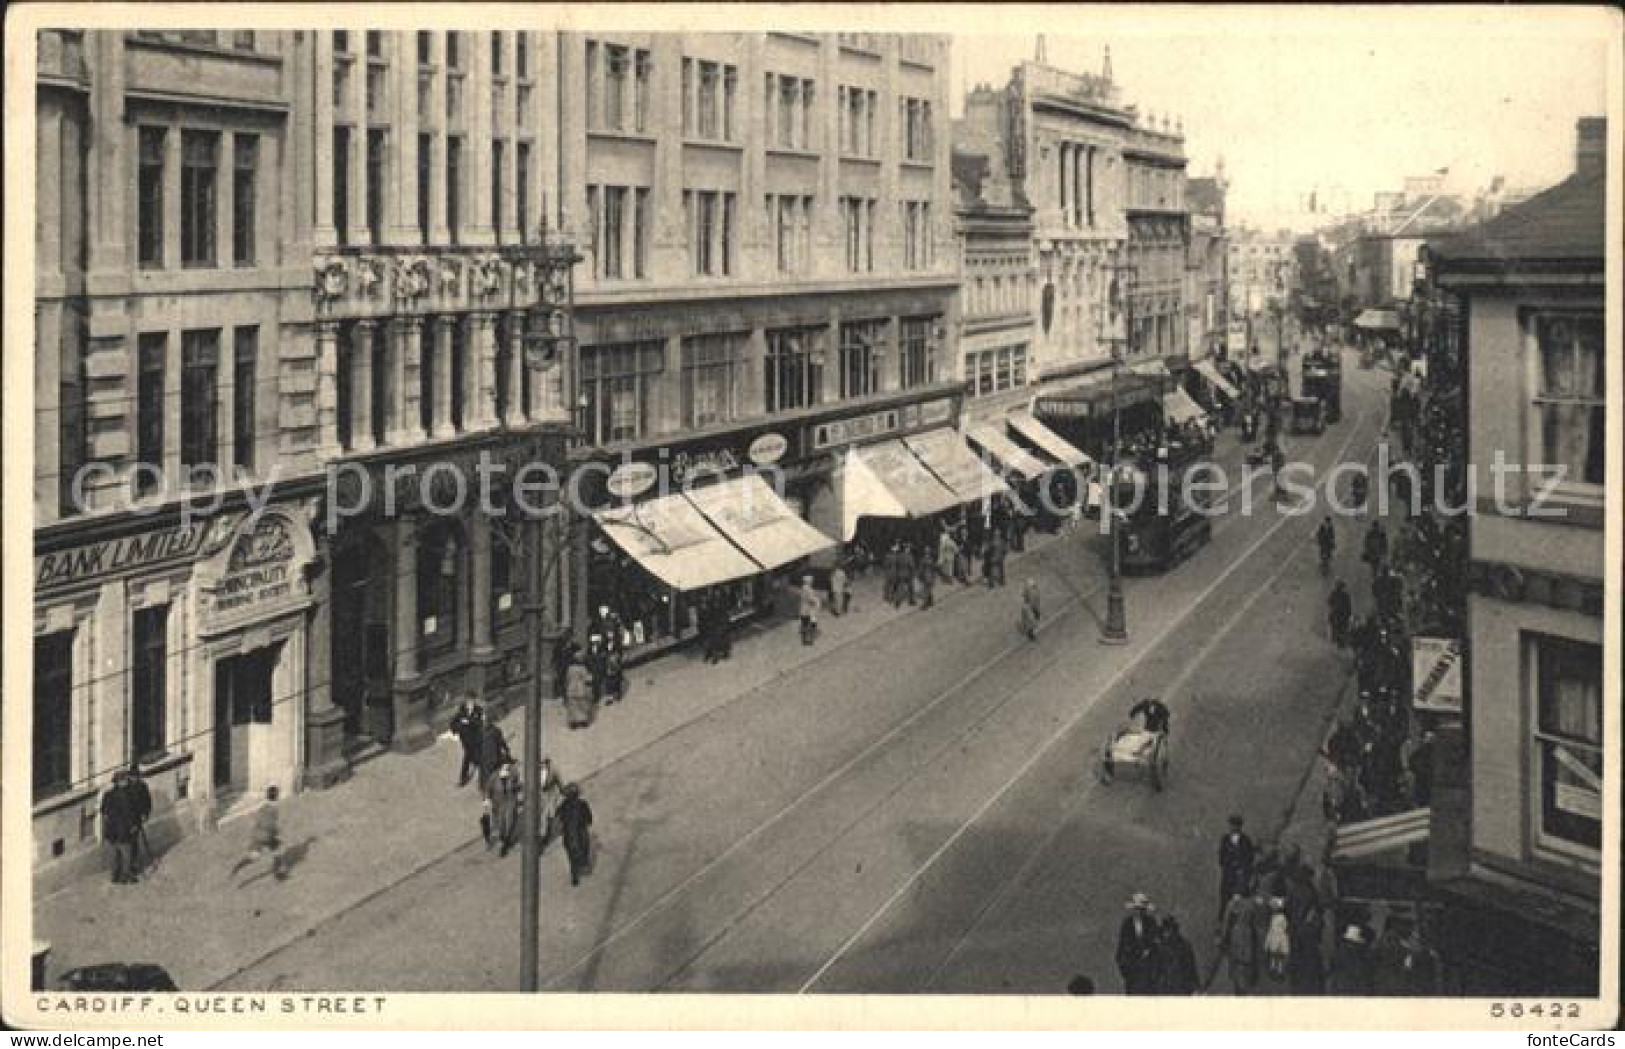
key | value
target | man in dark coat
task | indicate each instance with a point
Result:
(468, 725)
(493, 752)
(1351, 974)
(1176, 960)
(1237, 854)
(1137, 947)
(1339, 613)
(118, 827)
(575, 826)
(140, 812)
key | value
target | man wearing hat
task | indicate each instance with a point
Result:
(1351, 974)
(1137, 947)
(1236, 858)
(575, 825)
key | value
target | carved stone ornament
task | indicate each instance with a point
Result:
(368, 275)
(487, 276)
(332, 280)
(522, 277)
(411, 278)
(451, 271)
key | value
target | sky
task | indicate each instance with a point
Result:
(1343, 102)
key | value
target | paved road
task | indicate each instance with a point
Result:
(917, 811)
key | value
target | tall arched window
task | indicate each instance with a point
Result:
(442, 554)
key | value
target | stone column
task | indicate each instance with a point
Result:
(323, 234)
(405, 364)
(479, 548)
(327, 396)
(480, 375)
(325, 763)
(546, 391)
(361, 344)
(440, 377)
(411, 724)
(513, 413)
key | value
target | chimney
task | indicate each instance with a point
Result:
(1591, 145)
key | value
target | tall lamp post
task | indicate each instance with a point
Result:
(1121, 303)
(548, 339)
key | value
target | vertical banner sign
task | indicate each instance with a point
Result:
(1436, 671)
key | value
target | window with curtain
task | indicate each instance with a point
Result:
(862, 350)
(616, 383)
(710, 378)
(150, 198)
(794, 368)
(1568, 741)
(244, 181)
(1569, 394)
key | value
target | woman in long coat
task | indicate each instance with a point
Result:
(578, 695)
(504, 793)
(575, 821)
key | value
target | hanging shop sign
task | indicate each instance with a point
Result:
(631, 480)
(260, 576)
(107, 557)
(767, 449)
(1436, 670)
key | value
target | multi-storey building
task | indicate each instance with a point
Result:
(1206, 261)
(1516, 314)
(268, 261)
(1109, 241)
(771, 277)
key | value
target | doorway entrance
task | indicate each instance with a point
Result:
(242, 700)
(362, 654)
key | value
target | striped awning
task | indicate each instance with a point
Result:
(991, 439)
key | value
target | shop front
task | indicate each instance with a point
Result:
(1082, 414)
(208, 623)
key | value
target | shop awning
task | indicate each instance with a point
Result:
(1152, 369)
(1007, 453)
(947, 456)
(1377, 320)
(671, 539)
(888, 480)
(750, 513)
(1217, 380)
(1178, 408)
(1046, 440)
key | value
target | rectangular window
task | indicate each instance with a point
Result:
(806, 114)
(496, 52)
(1568, 742)
(425, 48)
(730, 94)
(1570, 389)
(243, 40)
(710, 216)
(869, 235)
(521, 55)
(789, 120)
(153, 349)
(594, 115)
(870, 106)
(150, 198)
(616, 382)
(595, 238)
(640, 235)
(200, 386)
(454, 50)
(642, 74)
(688, 97)
(615, 62)
(614, 217)
(781, 212)
(862, 349)
(794, 368)
(72, 387)
(376, 158)
(710, 374)
(454, 185)
(852, 219)
(425, 182)
(245, 352)
(53, 713)
(498, 149)
(726, 237)
(521, 187)
(917, 355)
(341, 183)
(200, 168)
(149, 641)
(244, 209)
(710, 86)
(341, 41)
(375, 44)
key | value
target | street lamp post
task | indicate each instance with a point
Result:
(548, 337)
(1115, 629)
